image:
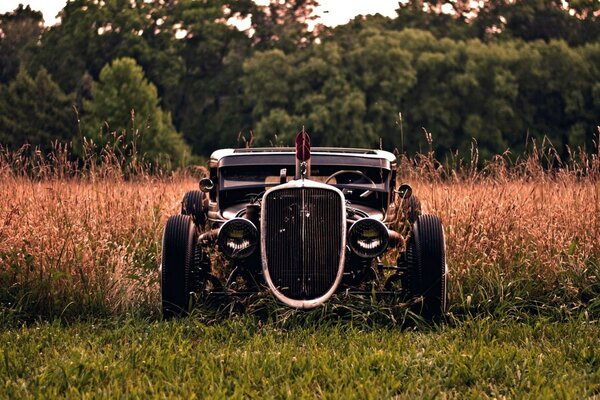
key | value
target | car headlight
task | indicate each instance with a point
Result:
(237, 238)
(368, 237)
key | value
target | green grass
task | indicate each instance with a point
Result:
(241, 357)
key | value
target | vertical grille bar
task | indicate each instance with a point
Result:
(303, 236)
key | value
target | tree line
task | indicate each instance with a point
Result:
(178, 78)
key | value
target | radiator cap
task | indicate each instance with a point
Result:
(303, 146)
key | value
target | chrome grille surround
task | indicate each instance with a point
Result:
(297, 243)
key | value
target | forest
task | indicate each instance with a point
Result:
(177, 79)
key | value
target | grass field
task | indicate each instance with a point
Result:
(478, 358)
(79, 301)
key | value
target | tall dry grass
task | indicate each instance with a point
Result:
(521, 231)
(82, 238)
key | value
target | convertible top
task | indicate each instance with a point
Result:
(319, 155)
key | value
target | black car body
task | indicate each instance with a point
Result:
(304, 224)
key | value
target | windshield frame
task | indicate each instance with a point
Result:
(267, 176)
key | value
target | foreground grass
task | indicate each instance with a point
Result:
(474, 358)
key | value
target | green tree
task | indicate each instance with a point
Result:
(382, 69)
(575, 21)
(284, 24)
(562, 96)
(185, 47)
(346, 94)
(35, 111)
(311, 91)
(208, 105)
(477, 71)
(18, 29)
(427, 15)
(92, 34)
(123, 101)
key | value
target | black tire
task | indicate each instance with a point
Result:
(179, 247)
(192, 205)
(411, 208)
(426, 262)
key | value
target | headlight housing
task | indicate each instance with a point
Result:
(368, 237)
(237, 238)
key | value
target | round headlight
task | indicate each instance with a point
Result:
(237, 238)
(368, 237)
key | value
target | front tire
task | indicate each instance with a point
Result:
(179, 245)
(426, 259)
(192, 205)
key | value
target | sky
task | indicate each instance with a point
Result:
(333, 12)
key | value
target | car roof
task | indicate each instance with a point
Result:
(319, 155)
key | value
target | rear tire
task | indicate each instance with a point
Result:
(178, 253)
(426, 262)
(192, 205)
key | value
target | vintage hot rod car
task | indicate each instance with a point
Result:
(304, 224)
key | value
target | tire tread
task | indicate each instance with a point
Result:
(430, 260)
(179, 242)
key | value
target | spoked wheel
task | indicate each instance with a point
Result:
(192, 205)
(179, 247)
(426, 266)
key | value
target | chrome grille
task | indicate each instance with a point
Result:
(303, 240)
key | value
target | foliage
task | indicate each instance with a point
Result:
(350, 89)
(124, 101)
(283, 25)
(498, 72)
(208, 105)
(344, 95)
(35, 111)
(92, 34)
(18, 29)
(576, 22)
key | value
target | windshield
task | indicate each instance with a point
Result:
(265, 177)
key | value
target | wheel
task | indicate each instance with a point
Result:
(192, 205)
(178, 253)
(411, 208)
(426, 266)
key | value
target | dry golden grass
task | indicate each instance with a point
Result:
(85, 239)
(86, 245)
(518, 232)
(500, 233)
